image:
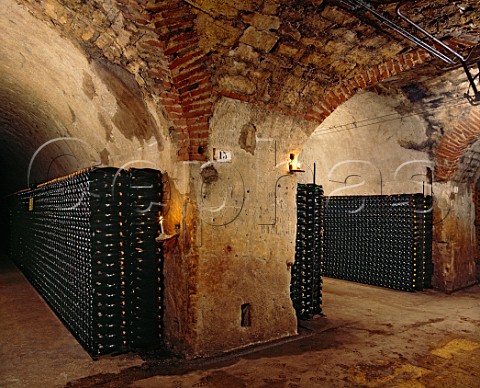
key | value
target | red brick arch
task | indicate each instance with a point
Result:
(376, 74)
(349, 87)
(177, 68)
(183, 82)
(454, 144)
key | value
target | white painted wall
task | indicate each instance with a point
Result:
(357, 149)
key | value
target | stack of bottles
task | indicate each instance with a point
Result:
(108, 260)
(423, 235)
(71, 239)
(380, 240)
(145, 280)
(306, 280)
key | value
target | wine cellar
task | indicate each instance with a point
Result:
(202, 193)
(382, 241)
(87, 244)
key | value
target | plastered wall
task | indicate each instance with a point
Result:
(455, 244)
(52, 90)
(245, 233)
(364, 148)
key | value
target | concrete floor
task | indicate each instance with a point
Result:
(370, 337)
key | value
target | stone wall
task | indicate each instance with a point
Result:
(246, 231)
(296, 58)
(164, 84)
(455, 242)
(456, 142)
(51, 91)
(155, 44)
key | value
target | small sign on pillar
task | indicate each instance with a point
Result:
(222, 156)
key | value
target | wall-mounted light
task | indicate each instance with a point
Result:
(163, 236)
(293, 165)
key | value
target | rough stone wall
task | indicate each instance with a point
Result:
(154, 42)
(282, 55)
(180, 263)
(246, 231)
(456, 171)
(455, 243)
(306, 58)
(51, 90)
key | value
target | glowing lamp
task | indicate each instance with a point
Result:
(293, 165)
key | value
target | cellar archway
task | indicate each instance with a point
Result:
(368, 146)
(389, 139)
(62, 110)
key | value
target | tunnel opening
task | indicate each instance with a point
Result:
(32, 149)
(381, 143)
(63, 109)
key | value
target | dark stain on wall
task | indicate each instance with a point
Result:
(414, 92)
(72, 113)
(88, 87)
(247, 140)
(132, 117)
(209, 174)
(105, 157)
(424, 146)
(107, 126)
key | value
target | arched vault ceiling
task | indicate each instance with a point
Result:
(279, 53)
(289, 53)
(60, 109)
(301, 58)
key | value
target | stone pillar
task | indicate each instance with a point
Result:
(454, 237)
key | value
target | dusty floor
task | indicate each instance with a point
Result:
(370, 337)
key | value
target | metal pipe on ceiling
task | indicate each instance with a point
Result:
(355, 5)
(463, 60)
(359, 4)
(426, 33)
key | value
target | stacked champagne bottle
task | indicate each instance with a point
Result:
(306, 281)
(145, 280)
(75, 238)
(380, 240)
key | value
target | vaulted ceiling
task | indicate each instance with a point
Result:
(285, 54)
(301, 58)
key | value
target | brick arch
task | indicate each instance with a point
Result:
(374, 75)
(454, 144)
(184, 84)
(177, 68)
(347, 88)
